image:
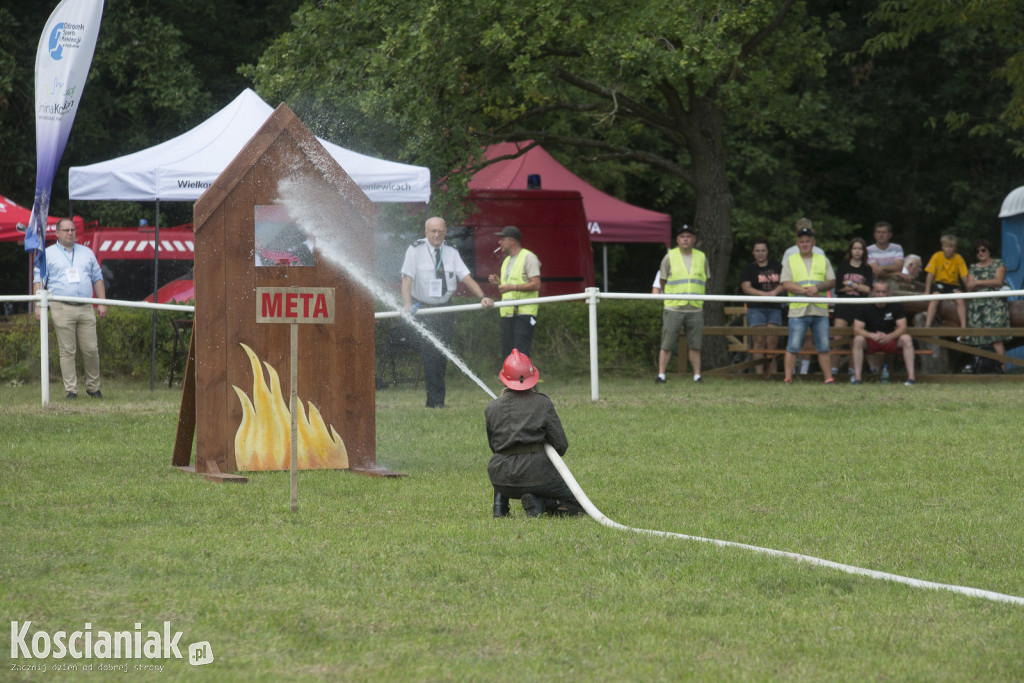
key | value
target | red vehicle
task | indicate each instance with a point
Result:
(277, 258)
(181, 290)
(126, 258)
(553, 225)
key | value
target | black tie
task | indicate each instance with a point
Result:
(439, 271)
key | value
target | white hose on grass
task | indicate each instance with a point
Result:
(592, 510)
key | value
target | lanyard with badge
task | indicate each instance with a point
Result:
(72, 272)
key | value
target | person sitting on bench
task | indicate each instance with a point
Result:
(880, 328)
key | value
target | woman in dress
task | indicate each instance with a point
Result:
(987, 274)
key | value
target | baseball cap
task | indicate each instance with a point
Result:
(804, 231)
(686, 227)
(511, 231)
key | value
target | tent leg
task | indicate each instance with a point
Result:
(156, 286)
(604, 248)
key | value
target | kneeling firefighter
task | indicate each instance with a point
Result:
(518, 423)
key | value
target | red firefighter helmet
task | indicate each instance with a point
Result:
(518, 372)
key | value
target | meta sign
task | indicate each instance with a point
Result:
(295, 305)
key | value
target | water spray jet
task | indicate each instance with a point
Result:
(315, 220)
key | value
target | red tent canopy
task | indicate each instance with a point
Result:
(11, 215)
(608, 219)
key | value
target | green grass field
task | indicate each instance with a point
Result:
(411, 579)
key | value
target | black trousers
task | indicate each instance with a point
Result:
(516, 333)
(557, 490)
(435, 363)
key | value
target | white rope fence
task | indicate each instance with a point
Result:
(592, 296)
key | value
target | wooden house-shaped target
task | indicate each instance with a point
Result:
(249, 241)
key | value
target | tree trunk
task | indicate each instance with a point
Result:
(712, 217)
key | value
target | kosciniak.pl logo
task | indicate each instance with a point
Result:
(89, 644)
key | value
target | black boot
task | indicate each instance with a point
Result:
(500, 505)
(535, 506)
(567, 508)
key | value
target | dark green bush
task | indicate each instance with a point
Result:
(125, 342)
(628, 335)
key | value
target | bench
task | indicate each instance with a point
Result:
(738, 339)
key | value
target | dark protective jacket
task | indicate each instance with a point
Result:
(518, 424)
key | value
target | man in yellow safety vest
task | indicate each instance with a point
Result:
(519, 281)
(683, 271)
(808, 274)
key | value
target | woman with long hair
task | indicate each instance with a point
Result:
(854, 278)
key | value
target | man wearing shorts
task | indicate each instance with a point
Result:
(684, 270)
(879, 328)
(807, 274)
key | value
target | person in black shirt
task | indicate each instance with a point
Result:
(853, 281)
(761, 278)
(881, 328)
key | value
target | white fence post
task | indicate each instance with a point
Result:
(44, 344)
(592, 297)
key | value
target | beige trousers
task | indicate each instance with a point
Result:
(75, 327)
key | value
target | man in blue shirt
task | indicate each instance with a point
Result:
(72, 271)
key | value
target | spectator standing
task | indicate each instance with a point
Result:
(519, 280)
(519, 422)
(807, 274)
(853, 281)
(884, 257)
(987, 274)
(72, 270)
(945, 271)
(430, 274)
(802, 224)
(881, 328)
(761, 278)
(684, 270)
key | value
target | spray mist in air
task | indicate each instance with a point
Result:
(317, 221)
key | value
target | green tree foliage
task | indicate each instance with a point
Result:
(994, 25)
(662, 85)
(905, 166)
(159, 68)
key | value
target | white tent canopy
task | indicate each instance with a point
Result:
(182, 168)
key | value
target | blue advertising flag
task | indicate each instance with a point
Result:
(62, 64)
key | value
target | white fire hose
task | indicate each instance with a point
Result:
(600, 517)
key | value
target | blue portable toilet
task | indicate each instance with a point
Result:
(1012, 215)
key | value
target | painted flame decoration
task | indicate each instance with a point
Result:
(263, 439)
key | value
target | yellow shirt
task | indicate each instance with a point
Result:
(947, 271)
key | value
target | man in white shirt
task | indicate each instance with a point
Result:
(912, 268)
(430, 274)
(802, 224)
